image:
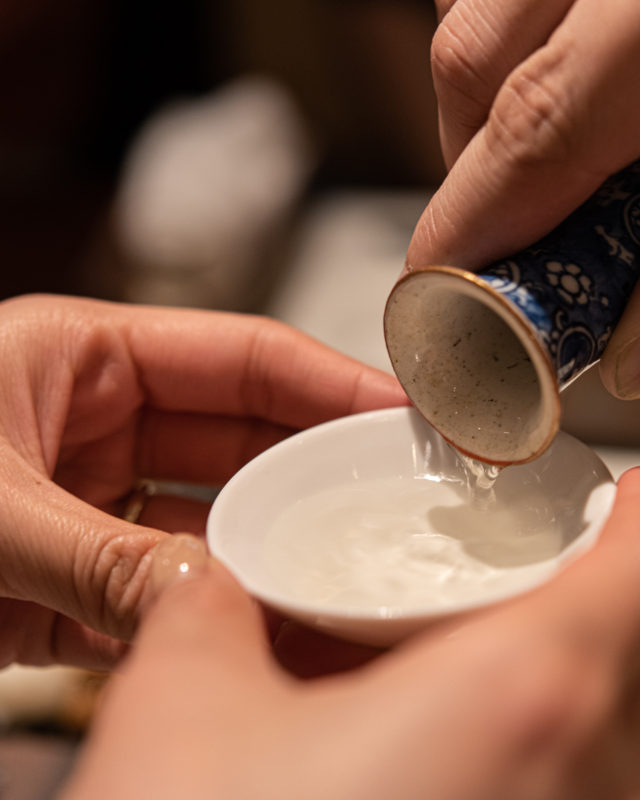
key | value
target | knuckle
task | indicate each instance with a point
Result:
(531, 120)
(256, 388)
(538, 715)
(461, 80)
(566, 700)
(451, 65)
(119, 569)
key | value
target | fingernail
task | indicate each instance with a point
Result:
(627, 375)
(178, 558)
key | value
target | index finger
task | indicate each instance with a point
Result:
(240, 365)
(563, 121)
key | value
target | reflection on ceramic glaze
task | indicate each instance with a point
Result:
(573, 284)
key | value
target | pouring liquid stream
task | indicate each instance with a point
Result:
(480, 479)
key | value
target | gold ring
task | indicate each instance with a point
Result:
(137, 500)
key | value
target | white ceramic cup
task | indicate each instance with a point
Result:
(396, 445)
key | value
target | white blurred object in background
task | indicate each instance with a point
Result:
(207, 187)
(347, 254)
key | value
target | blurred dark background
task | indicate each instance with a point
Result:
(78, 79)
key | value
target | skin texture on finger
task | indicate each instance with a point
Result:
(78, 567)
(477, 44)
(65, 555)
(564, 120)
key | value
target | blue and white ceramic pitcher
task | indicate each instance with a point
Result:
(483, 356)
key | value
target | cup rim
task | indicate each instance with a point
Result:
(328, 616)
(476, 287)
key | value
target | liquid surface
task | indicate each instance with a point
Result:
(409, 542)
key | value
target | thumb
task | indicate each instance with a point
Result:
(70, 570)
(67, 556)
(198, 668)
(198, 606)
(620, 364)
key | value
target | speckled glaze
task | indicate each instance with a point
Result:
(483, 356)
(573, 284)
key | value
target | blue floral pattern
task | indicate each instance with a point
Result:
(573, 284)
